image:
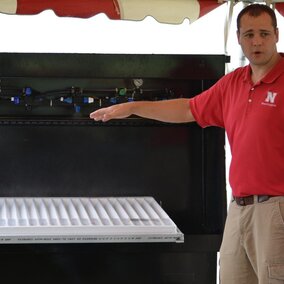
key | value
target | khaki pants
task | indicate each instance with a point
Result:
(252, 250)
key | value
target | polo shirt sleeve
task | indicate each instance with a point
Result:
(207, 107)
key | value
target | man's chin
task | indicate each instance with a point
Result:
(257, 59)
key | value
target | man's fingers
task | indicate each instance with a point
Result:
(112, 112)
(101, 114)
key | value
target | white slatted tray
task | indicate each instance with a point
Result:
(68, 220)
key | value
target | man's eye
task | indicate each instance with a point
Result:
(264, 34)
(250, 35)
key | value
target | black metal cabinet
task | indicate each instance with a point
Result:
(49, 147)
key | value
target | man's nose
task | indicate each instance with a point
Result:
(257, 40)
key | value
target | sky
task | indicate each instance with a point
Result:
(48, 33)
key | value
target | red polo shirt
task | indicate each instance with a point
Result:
(253, 116)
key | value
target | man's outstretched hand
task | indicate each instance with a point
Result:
(113, 112)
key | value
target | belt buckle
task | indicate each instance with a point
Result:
(262, 198)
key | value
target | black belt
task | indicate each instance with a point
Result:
(248, 200)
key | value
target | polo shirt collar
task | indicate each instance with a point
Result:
(271, 76)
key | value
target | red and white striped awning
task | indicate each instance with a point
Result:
(165, 11)
(280, 8)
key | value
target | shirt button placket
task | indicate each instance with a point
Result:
(250, 95)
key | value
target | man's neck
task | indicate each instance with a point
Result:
(260, 71)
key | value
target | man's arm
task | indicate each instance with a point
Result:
(176, 111)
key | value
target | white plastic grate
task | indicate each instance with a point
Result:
(48, 220)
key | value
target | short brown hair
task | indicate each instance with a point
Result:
(256, 10)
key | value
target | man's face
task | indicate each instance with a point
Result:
(257, 38)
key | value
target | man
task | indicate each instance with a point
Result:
(249, 104)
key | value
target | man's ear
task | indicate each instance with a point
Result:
(277, 34)
(238, 36)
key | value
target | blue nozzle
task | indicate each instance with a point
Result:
(77, 108)
(15, 100)
(113, 100)
(28, 91)
(66, 100)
